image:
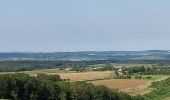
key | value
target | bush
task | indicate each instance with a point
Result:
(138, 77)
(148, 77)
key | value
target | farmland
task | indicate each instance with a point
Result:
(131, 78)
(130, 86)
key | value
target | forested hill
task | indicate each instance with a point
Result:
(88, 55)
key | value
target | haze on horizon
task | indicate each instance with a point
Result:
(80, 25)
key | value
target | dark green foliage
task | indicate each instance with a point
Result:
(148, 77)
(24, 87)
(147, 70)
(48, 77)
(138, 77)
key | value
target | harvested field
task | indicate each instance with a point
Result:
(130, 86)
(141, 89)
(83, 76)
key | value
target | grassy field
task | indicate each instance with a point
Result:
(165, 96)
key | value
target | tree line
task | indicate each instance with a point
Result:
(25, 65)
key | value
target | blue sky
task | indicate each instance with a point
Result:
(80, 25)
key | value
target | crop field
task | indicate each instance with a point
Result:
(84, 76)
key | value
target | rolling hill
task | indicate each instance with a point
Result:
(87, 55)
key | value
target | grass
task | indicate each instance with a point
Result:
(163, 96)
(157, 77)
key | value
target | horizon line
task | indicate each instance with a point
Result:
(82, 51)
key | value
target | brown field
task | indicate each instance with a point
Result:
(141, 89)
(130, 86)
(86, 75)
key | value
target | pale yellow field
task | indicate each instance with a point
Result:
(83, 76)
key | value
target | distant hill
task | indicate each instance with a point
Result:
(88, 55)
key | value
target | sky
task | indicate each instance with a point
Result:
(84, 25)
